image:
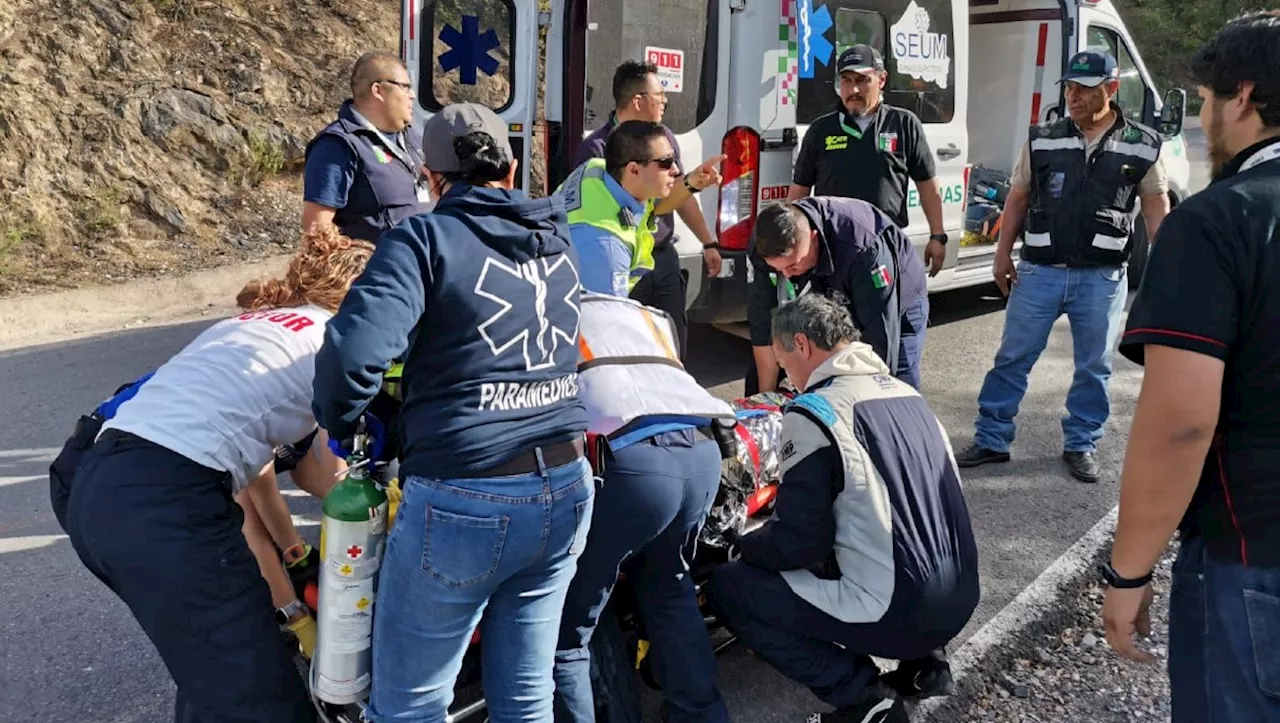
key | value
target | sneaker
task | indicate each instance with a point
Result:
(916, 680)
(877, 705)
(1082, 465)
(975, 455)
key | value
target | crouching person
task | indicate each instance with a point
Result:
(869, 550)
(151, 509)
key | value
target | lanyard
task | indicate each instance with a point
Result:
(398, 149)
(1270, 153)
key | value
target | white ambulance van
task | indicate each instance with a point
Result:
(747, 77)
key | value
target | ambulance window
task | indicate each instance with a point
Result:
(918, 50)
(679, 36)
(1132, 96)
(466, 58)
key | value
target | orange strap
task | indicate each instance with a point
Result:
(584, 349)
(658, 335)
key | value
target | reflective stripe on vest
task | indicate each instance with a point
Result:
(628, 368)
(588, 200)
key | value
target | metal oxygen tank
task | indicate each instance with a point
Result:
(352, 535)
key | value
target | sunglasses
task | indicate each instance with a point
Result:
(666, 163)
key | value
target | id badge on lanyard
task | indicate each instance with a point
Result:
(1270, 153)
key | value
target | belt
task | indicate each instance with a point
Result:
(553, 455)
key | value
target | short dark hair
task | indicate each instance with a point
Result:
(369, 68)
(629, 142)
(628, 80)
(778, 228)
(823, 322)
(1246, 50)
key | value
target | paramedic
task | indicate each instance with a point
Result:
(851, 251)
(1075, 187)
(151, 510)
(363, 171)
(1202, 456)
(660, 463)
(639, 95)
(613, 203)
(869, 550)
(864, 132)
(480, 298)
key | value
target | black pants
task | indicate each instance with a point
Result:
(807, 645)
(664, 288)
(164, 534)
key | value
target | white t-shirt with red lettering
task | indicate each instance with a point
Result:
(235, 393)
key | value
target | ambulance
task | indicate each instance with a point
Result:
(747, 77)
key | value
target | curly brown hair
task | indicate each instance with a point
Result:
(320, 273)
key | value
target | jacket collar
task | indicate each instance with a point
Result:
(857, 359)
(811, 211)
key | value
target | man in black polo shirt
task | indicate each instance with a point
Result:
(867, 149)
(1204, 450)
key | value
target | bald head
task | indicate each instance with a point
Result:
(371, 68)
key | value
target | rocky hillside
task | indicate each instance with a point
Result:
(142, 137)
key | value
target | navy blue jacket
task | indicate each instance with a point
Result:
(857, 239)
(480, 296)
(370, 181)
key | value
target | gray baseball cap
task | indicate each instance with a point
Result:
(452, 122)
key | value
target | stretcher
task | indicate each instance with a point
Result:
(748, 483)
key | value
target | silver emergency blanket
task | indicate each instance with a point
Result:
(753, 466)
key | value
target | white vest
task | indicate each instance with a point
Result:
(628, 368)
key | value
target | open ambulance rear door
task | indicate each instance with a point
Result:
(688, 40)
(477, 51)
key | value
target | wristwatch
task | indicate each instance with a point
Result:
(939, 237)
(284, 614)
(1114, 579)
(689, 186)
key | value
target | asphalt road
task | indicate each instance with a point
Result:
(72, 652)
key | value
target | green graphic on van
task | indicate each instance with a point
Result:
(953, 194)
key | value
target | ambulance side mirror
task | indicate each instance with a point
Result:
(1175, 108)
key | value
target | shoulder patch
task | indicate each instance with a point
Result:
(816, 405)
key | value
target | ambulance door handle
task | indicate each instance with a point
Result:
(948, 152)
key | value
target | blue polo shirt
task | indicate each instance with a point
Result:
(605, 260)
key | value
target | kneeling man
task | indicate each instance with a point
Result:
(869, 550)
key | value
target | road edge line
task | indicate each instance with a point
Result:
(35, 319)
(1029, 607)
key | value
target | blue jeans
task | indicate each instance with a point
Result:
(915, 324)
(504, 547)
(654, 499)
(1093, 300)
(1224, 634)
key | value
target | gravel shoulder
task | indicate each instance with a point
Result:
(1061, 669)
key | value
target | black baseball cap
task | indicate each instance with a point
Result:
(860, 59)
(454, 121)
(1091, 68)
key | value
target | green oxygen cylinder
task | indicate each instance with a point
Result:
(352, 537)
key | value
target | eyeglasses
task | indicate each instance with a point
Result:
(666, 163)
(406, 86)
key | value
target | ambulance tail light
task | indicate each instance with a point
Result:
(964, 197)
(739, 192)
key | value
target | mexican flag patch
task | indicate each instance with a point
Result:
(881, 277)
(889, 142)
(381, 155)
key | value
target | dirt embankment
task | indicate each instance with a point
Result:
(146, 137)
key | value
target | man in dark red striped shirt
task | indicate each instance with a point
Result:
(1204, 449)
